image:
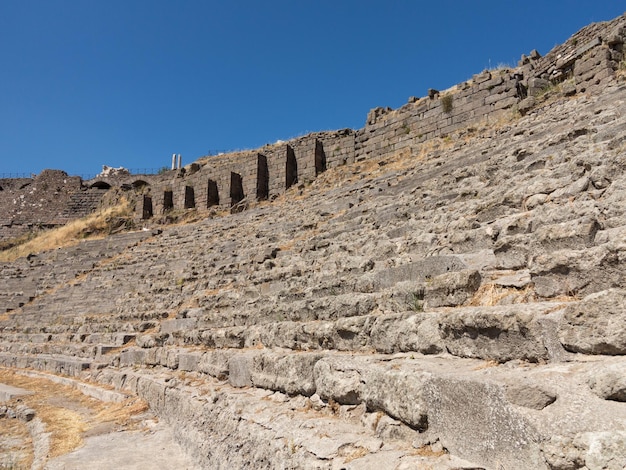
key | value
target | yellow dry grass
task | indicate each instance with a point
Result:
(17, 451)
(490, 294)
(428, 451)
(67, 413)
(96, 225)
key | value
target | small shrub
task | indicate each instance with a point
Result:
(447, 103)
(415, 300)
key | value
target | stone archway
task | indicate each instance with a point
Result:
(101, 185)
(168, 200)
(213, 196)
(146, 212)
(262, 178)
(291, 168)
(190, 197)
(320, 158)
(236, 189)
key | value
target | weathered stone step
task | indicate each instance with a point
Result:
(500, 421)
(501, 333)
(275, 430)
(58, 364)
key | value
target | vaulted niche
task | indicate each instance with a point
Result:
(236, 189)
(291, 168)
(320, 158)
(190, 197)
(212, 197)
(147, 207)
(262, 178)
(139, 184)
(168, 200)
(101, 185)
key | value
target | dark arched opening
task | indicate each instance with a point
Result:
(236, 189)
(190, 197)
(101, 185)
(262, 178)
(291, 168)
(168, 200)
(212, 197)
(147, 207)
(320, 158)
(138, 184)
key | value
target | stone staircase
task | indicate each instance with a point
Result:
(459, 308)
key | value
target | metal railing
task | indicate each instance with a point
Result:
(15, 175)
(88, 176)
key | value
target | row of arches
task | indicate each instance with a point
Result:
(189, 202)
(238, 188)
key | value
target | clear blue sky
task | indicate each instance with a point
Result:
(129, 82)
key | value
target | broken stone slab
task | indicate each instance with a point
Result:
(595, 325)
(240, 369)
(572, 234)
(609, 382)
(570, 272)
(519, 279)
(474, 420)
(354, 381)
(91, 390)
(590, 450)
(529, 395)
(451, 289)
(8, 392)
(512, 252)
(499, 333)
(416, 332)
(418, 272)
(572, 189)
(285, 372)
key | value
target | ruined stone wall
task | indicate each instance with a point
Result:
(587, 61)
(30, 203)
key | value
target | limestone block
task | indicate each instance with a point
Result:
(215, 363)
(609, 382)
(497, 333)
(417, 271)
(529, 395)
(578, 271)
(188, 361)
(353, 382)
(571, 234)
(288, 373)
(573, 189)
(590, 450)
(451, 289)
(418, 332)
(240, 369)
(595, 325)
(473, 419)
(506, 102)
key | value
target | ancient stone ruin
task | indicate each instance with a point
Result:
(444, 288)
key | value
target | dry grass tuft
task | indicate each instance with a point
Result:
(96, 225)
(16, 446)
(428, 451)
(487, 365)
(350, 452)
(489, 295)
